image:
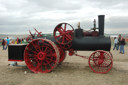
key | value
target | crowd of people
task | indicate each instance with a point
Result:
(6, 42)
(119, 43)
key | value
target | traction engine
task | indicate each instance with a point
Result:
(42, 55)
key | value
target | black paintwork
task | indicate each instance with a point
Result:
(101, 25)
(91, 43)
(16, 52)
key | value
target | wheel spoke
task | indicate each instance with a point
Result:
(34, 46)
(50, 59)
(59, 30)
(65, 27)
(38, 66)
(58, 35)
(68, 32)
(63, 40)
(51, 55)
(33, 51)
(69, 37)
(46, 49)
(49, 64)
(46, 69)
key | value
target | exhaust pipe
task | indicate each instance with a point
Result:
(101, 24)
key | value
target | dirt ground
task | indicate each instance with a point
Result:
(73, 71)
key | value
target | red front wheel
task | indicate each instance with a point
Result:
(100, 61)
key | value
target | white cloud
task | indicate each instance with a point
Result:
(21, 15)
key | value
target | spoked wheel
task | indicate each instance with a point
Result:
(100, 61)
(63, 33)
(62, 54)
(41, 56)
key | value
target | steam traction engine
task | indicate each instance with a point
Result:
(42, 55)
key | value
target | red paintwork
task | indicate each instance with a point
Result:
(29, 39)
(39, 33)
(31, 36)
(71, 52)
(92, 33)
(16, 60)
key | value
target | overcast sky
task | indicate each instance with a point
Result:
(19, 16)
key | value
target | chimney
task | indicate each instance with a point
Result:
(101, 24)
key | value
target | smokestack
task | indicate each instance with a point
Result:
(101, 24)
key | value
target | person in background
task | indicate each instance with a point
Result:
(3, 44)
(24, 40)
(115, 43)
(122, 43)
(17, 40)
(8, 41)
(119, 38)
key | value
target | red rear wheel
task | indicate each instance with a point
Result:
(63, 33)
(100, 61)
(62, 54)
(41, 56)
